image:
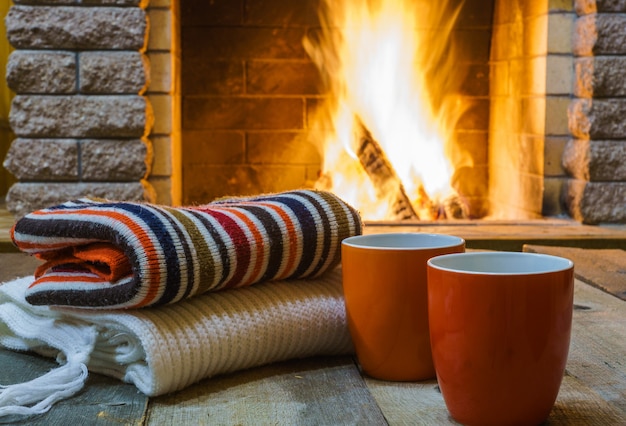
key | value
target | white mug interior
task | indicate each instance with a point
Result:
(406, 240)
(500, 263)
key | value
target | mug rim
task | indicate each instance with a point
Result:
(407, 239)
(544, 263)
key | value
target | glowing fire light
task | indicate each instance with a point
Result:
(385, 67)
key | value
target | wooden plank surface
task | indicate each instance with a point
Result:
(103, 401)
(512, 235)
(598, 350)
(16, 265)
(317, 391)
(6, 222)
(604, 269)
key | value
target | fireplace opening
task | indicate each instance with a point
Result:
(263, 100)
(260, 94)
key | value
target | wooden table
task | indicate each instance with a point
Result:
(321, 391)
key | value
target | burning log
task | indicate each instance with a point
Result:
(455, 207)
(382, 174)
(389, 186)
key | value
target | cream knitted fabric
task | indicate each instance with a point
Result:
(164, 349)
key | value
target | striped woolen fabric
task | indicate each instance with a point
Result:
(175, 253)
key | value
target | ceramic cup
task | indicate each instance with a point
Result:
(384, 283)
(500, 327)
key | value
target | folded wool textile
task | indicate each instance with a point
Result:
(128, 255)
(167, 348)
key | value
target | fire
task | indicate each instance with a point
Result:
(385, 71)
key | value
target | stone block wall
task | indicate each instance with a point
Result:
(80, 114)
(595, 157)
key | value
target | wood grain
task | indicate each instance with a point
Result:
(512, 235)
(16, 265)
(319, 391)
(598, 349)
(604, 269)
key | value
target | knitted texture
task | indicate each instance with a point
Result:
(168, 348)
(127, 255)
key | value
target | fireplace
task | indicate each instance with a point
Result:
(182, 102)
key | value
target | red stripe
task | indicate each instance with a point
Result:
(260, 244)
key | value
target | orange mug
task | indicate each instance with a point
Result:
(384, 284)
(500, 325)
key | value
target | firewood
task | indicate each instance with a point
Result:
(382, 174)
(455, 207)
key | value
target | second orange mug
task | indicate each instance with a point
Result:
(384, 283)
(500, 327)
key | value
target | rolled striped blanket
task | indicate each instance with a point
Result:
(114, 255)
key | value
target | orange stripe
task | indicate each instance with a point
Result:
(155, 275)
(67, 279)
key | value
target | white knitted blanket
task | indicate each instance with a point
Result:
(164, 349)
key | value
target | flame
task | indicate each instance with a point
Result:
(384, 66)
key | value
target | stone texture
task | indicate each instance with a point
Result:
(43, 159)
(66, 27)
(114, 160)
(26, 197)
(600, 77)
(596, 160)
(598, 118)
(30, 71)
(600, 34)
(81, 116)
(596, 202)
(113, 72)
(139, 3)
(585, 7)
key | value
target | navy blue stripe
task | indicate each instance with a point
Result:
(326, 235)
(164, 239)
(308, 232)
(274, 239)
(180, 233)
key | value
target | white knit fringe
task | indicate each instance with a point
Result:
(38, 395)
(38, 328)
